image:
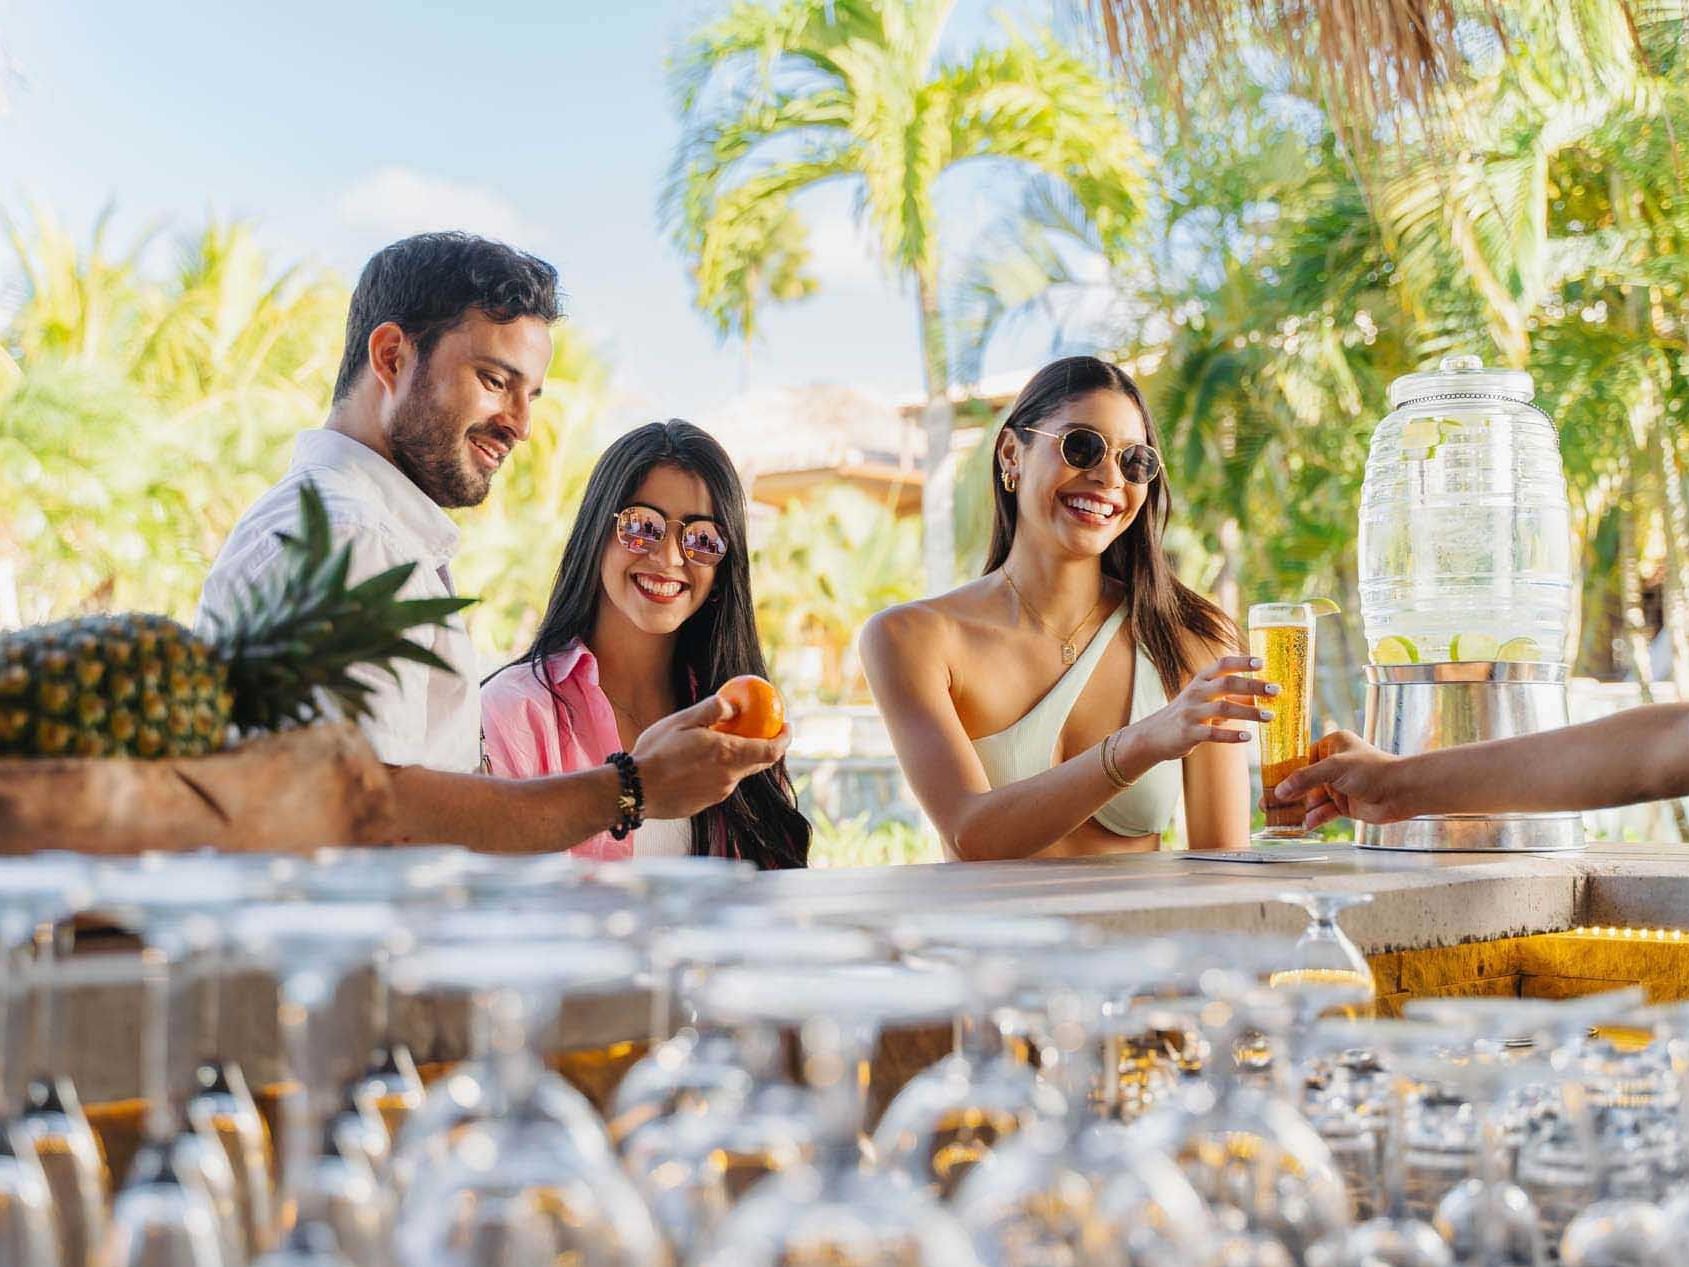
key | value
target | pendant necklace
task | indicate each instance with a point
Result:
(1069, 652)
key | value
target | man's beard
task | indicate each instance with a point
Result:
(429, 448)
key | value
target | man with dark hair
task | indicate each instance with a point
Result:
(447, 344)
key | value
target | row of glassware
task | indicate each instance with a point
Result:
(1193, 1100)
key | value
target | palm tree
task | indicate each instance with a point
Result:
(143, 414)
(764, 259)
(779, 98)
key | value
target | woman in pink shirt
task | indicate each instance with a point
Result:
(650, 612)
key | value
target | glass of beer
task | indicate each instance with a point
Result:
(1281, 636)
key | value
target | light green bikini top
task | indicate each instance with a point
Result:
(1029, 746)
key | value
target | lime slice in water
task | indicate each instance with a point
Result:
(1520, 649)
(1475, 646)
(1421, 433)
(1395, 649)
(1322, 607)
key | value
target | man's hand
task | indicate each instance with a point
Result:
(686, 767)
(1348, 778)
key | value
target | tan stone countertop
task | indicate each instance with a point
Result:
(1419, 899)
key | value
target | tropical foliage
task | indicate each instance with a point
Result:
(778, 98)
(1287, 277)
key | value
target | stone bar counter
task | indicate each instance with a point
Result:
(1447, 923)
(1438, 923)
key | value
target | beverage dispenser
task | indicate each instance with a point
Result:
(1465, 579)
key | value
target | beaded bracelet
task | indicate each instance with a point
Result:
(630, 800)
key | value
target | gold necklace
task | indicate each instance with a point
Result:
(1069, 652)
(638, 726)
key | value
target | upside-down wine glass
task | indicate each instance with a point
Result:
(710, 1111)
(1487, 1219)
(1615, 1101)
(175, 1208)
(1266, 1173)
(336, 1212)
(39, 1210)
(953, 1113)
(174, 903)
(1067, 1185)
(517, 1187)
(830, 1210)
(387, 1088)
(1327, 977)
(1392, 1237)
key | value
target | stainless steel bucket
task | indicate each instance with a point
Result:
(1412, 708)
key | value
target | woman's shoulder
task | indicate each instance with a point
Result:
(926, 625)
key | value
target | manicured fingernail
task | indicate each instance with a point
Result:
(1266, 714)
(1273, 688)
(1255, 662)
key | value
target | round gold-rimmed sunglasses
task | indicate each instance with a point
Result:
(1084, 449)
(641, 529)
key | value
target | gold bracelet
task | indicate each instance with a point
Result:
(1120, 781)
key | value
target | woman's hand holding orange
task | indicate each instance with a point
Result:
(1197, 714)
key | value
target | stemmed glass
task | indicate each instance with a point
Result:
(1392, 1237)
(387, 1089)
(467, 1094)
(53, 1119)
(1068, 1184)
(173, 903)
(1327, 977)
(830, 1210)
(38, 1213)
(517, 1187)
(951, 1114)
(1671, 1024)
(700, 1065)
(1585, 1138)
(1266, 1173)
(709, 1110)
(1488, 1220)
(338, 1213)
(1615, 1102)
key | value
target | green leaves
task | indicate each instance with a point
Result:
(295, 639)
(777, 99)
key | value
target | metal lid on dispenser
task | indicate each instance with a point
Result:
(1462, 377)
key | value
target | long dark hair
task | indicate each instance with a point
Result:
(1160, 607)
(760, 821)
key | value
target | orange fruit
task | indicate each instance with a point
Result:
(758, 710)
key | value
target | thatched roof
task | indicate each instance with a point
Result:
(1365, 56)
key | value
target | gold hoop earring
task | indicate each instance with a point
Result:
(1008, 482)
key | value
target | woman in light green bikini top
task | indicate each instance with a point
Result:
(1060, 705)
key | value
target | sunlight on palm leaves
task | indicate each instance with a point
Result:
(779, 98)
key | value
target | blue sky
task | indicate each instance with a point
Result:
(339, 126)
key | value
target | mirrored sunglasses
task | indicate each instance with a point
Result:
(641, 529)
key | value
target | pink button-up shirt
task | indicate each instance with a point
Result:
(529, 730)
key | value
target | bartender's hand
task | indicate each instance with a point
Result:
(686, 767)
(1347, 778)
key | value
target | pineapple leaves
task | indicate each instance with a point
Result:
(297, 636)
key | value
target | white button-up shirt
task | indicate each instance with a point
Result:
(427, 717)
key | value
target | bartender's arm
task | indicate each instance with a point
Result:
(1641, 754)
(684, 767)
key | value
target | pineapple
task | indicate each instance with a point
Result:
(144, 686)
